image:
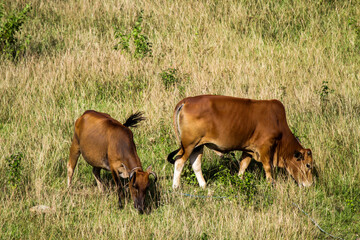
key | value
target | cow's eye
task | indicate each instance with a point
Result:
(308, 165)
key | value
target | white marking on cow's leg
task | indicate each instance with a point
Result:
(195, 160)
(179, 165)
(244, 163)
(96, 173)
(70, 172)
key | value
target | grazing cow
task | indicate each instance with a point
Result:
(224, 124)
(107, 144)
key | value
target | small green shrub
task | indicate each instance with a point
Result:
(170, 77)
(324, 95)
(10, 45)
(236, 185)
(14, 169)
(324, 91)
(190, 176)
(140, 41)
(204, 236)
(350, 204)
(134, 85)
(124, 40)
(355, 24)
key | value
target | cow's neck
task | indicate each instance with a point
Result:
(286, 149)
(133, 162)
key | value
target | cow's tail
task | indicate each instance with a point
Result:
(134, 119)
(177, 120)
(171, 156)
(178, 108)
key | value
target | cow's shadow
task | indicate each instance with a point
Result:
(213, 164)
(230, 161)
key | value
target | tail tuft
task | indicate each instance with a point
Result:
(134, 119)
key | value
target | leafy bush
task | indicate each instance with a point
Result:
(140, 41)
(189, 175)
(235, 184)
(169, 77)
(14, 169)
(324, 95)
(10, 45)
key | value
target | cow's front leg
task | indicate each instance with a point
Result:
(116, 177)
(268, 169)
(265, 160)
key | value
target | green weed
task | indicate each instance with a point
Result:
(14, 169)
(10, 45)
(233, 185)
(355, 24)
(169, 77)
(139, 40)
(324, 93)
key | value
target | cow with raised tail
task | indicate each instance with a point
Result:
(258, 128)
(107, 144)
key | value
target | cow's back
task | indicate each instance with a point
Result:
(95, 132)
(231, 123)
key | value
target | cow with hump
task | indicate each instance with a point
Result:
(107, 144)
(258, 128)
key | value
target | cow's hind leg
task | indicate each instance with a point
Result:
(195, 160)
(244, 163)
(182, 156)
(96, 173)
(73, 158)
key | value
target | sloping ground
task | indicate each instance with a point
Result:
(306, 54)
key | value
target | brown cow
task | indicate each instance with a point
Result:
(224, 124)
(107, 144)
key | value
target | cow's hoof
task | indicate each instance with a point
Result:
(203, 186)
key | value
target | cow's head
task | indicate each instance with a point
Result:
(300, 167)
(138, 184)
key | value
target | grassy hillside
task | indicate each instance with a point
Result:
(122, 56)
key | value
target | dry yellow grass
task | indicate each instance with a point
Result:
(288, 50)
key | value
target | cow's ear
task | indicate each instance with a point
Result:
(298, 155)
(132, 176)
(149, 170)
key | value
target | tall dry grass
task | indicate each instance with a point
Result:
(288, 50)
